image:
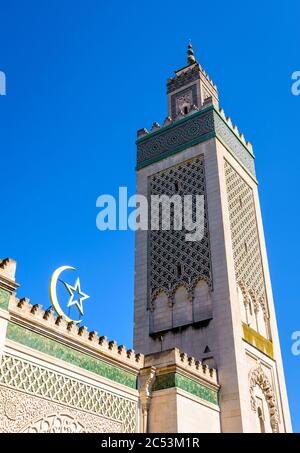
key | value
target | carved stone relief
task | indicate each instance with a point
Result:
(20, 412)
(47, 386)
(258, 377)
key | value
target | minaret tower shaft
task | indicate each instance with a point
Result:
(210, 298)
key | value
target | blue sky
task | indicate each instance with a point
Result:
(82, 77)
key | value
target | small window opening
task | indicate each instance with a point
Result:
(185, 110)
(250, 308)
(176, 185)
(179, 270)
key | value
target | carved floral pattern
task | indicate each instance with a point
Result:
(258, 377)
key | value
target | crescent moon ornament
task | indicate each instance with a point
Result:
(71, 289)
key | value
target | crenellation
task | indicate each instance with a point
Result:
(229, 122)
(171, 358)
(138, 357)
(35, 309)
(112, 346)
(121, 349)
(130, 353)
(72, 328)
(142, 132)
(48, 320)
(93, 336)
(83, 332)
(191, 361)
(51, 318)
(222, 113)
(183, 356)
(48, 313)
(167, 121)
(59, 321)
(24, 303)
(8, 268)
(155, 126)
(103, 342)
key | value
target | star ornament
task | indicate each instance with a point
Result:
(78, 300)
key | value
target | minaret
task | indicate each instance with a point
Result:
(210, 298)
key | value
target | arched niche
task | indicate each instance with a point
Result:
(182, 308)
(202, 303)
(262, 395)
(160, 313)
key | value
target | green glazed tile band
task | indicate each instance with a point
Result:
(171, 380)
(55, 349)
(4, 299)
(188, 132)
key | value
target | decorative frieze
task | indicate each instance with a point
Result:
(172, 139)
(60, 351)
(191, 130)
(48, 392)
(170, 380)
(190, 75)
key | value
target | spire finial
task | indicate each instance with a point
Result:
(191, 57)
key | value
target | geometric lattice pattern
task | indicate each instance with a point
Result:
(23, 412)
(244, 233)
(232, 142)
(54, 386)
(169, 249)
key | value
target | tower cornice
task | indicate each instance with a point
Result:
(194, 128)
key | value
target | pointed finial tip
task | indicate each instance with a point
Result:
(191, 57)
